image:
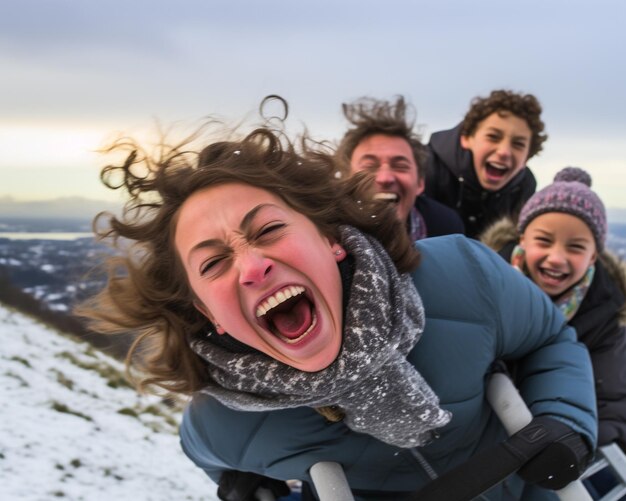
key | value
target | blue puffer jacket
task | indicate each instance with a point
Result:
(478, 309)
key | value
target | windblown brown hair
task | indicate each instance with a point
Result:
(524, 106)
(147, 290)
(370, 116)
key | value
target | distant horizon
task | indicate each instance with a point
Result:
(67, 208)
(9, 198)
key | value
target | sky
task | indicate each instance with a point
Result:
(75, 74)
(62, 435)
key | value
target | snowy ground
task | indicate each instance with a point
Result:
(70, 429)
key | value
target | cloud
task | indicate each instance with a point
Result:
(124, 63)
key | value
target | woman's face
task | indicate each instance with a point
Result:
(263, 272)
(559, 248)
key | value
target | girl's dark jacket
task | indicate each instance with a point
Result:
(600, 323)
(451, 180)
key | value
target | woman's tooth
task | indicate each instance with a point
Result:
(278, 298)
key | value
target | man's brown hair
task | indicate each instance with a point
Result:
(370, 116)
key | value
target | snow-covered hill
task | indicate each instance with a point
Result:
(71, 429)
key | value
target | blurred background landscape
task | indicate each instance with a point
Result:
(72, 426)
(50, 263)
(77, 75)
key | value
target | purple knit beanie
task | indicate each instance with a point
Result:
(570, 193)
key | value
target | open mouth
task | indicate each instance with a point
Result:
(288, 314)
(496, 171)
(552, 276)
(387, 197)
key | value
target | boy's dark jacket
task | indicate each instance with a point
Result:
(451, 180)
(600, 324)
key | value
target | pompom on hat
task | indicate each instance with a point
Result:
(569, 193)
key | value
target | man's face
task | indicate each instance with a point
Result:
(500, 148)
(390, 159)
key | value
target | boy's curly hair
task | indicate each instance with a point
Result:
(524, 106)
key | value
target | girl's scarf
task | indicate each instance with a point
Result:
(380, 392)
(571, 299)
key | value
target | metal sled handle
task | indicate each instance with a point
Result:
(514, 415)
(330, 482)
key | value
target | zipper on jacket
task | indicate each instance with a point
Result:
(459, 200)
(432, 474)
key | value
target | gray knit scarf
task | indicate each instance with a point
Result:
(380, 393)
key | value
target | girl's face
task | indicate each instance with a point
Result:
(559, 248)
(263, 272)
(499, 146)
